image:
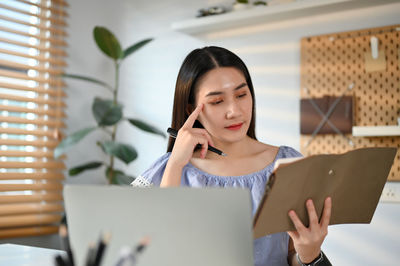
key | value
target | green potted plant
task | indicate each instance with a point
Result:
(108, 114)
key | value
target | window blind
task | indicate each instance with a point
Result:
(32, 57)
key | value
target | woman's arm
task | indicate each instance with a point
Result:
(172, 176)
(307, 241)
(186, 141)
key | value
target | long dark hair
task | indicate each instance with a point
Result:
(196, 64)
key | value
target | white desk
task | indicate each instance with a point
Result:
(13, 255)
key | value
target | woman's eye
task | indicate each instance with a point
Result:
(242, 95)
(216, 102)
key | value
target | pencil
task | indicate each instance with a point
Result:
(127, 254)
(65, 241)
(173, 133)
(142, 244)
(100, 249)
(90, 254)
(59, 261)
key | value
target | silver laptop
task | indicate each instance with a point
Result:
(187, 226)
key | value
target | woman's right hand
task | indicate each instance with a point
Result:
(188, 138)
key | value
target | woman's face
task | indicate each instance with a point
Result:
(227, 103)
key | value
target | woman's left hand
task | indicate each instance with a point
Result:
(308, 240)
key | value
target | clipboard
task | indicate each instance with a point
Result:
(354, 180)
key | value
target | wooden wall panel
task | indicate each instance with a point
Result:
(330, 63)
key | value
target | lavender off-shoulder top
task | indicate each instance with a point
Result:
(268, 250)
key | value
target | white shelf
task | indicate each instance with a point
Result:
(376, 131)
(264, 14)
(391, 192)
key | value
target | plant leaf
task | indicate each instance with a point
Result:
(79, 169)
(118, 177)
(123, 179)
(71, 140)
(93, 80)
(106, 112)
(124, 152)
(134, 47)
(107, 42)
(146, 127)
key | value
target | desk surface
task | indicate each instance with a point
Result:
(13, 255)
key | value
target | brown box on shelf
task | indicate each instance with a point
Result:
(341, 117)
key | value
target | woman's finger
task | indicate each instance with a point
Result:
(326, 214)
(204, 132)
(204, 148)
(296, 221)
(209, 140)
(200, 140)
(312, 214)
(193, 116)
(293, 235)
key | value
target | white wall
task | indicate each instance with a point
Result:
(148, 77)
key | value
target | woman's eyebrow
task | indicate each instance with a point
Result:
(220, 92)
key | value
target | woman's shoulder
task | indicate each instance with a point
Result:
(154, 173)
(267, 151)
(261, 155)
(288, 152)
(263, 149)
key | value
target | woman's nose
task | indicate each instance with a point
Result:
(233, 110)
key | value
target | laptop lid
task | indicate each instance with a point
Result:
(187, 226)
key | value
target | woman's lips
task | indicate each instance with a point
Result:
(235, 127)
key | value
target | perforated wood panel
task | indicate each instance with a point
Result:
(330, 63)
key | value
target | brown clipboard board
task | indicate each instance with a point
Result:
(354, 180)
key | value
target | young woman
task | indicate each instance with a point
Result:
(214, 105)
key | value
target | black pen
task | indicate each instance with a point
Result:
(173, 133)
(90, 254)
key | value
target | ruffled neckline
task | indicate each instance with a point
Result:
(238, 177)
